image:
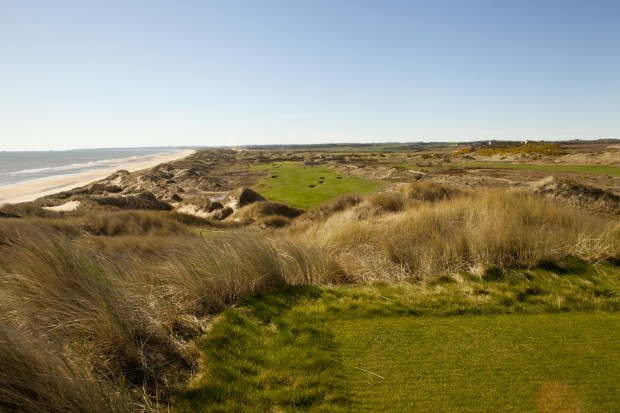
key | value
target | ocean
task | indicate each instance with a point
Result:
(17, 167)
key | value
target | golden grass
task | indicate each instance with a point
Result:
(132, 223)
(36, 377)
(264, 209)
(27, 210)
(119, 313)
(468, 233)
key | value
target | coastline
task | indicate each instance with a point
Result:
(31, 190)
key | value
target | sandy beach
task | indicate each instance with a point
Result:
(31, 190)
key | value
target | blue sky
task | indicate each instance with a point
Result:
(77, 74)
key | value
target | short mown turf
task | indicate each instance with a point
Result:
(305, 186)
(508, 363)
(531, 341)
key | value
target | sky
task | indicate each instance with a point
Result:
(83, 74)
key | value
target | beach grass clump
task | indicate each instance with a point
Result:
(387, 202)
(331, 207)
(26, 210)
(63, 292)
(143, 200)
(132, 223)
(264, 209)
(429, 191)
(272, 221)
(37, 376)
(467, 233)
(219, 272)
(121, 309)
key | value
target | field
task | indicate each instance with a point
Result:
(372, 349)
(234, 280)
(308, 186)
(574, 169)
(516, 363)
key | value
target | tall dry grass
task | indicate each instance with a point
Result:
(37, 377)
(63, 293)
(468, 232)
(118, 315)
(124, 322)
(131, 223)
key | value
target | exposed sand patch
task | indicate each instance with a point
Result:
(31, 190)
(69, 206)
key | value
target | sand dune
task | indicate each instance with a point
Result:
(31, 190)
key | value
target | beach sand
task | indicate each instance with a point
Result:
(31, 190)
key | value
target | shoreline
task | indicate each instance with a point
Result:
(30, 190)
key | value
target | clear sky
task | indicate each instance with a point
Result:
(80, 73)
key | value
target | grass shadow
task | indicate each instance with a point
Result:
(268, 355)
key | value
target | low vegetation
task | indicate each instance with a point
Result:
(573, 169)
(527, 149)
(544, 363)
(451, 346)
(87, 297)
(306, 186)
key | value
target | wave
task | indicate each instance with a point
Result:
(86, 165)
(31, 171)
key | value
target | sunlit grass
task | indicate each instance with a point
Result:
(580, 169)
(516, 363)
(305, 186)
(459, 344)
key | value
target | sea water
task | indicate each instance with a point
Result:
(16, 167)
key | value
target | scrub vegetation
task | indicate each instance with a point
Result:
(341, 299)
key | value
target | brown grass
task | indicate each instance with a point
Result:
(264, 209)
(468, 233)
(36, 377)
(118, 314)
(131, 223)
(26, 210)
(331, 207)
(429, 191)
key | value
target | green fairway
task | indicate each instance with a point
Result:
(532, 340)
(509, 363)
(307, 186)
(583, 169)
